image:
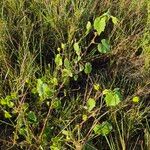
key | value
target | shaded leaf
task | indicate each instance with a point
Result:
(32, 117)
(88, 68)
(104, 46)
(76, 77)
(67, 63)
(56, 104)
(103, 129)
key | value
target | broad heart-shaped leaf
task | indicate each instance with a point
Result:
(77, 48)
(112, 98)
(104, 46)
(43, 90)
(91, 104)
(103, 129)
(100, 23)
(32, 117)
(88, 68)
(58, 60)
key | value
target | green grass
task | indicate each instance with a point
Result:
(58, 87)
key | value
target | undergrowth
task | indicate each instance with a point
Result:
(74, 74)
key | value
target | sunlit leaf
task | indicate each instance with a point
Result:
(77, 48)
(135, 99)
(84, 117)
(43, 89)
(54, 81)
(88, 27)
(112, 98)
(7, 114)
(58, 60)
(96, 87)
(100, 23)
(114, 20)
(91, 104)
(63, 46)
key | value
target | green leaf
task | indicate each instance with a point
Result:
(67, 64)
(97, 87)
(77, 48)
(68, 134)
(91, 104)
(106, 91)
(103, 129)
(10, 104)
(88, 27)
(84, 117)
(54, 81)
(32, 117)
(56, 104)
(40, 87)
(14, 95)
(7, 114)
(104, 46)
(100, 23)
(43, 90)
(3, 102)
(58, 60)
(81, 67)
(63, 46)
(88, 68)
(23, 131)
(112, 98)
(114, 20)
(75, 77)
(46, 91)
(66, 73)
(135, 99)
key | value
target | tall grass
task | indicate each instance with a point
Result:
(32, 35)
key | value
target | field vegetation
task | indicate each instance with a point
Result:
(74, 74)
